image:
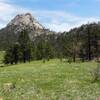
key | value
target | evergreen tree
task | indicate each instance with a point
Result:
(20, 51)
(25, 46)
(12, 54)
(8, 58)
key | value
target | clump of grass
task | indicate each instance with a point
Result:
(8, 87)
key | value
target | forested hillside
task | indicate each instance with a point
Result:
(80, 43)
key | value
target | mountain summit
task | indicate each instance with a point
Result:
(10, 33)
(25, 20)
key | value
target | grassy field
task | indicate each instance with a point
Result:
(52, 80)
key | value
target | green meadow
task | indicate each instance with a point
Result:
(53, 80)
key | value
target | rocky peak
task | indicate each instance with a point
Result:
(23, 20)
(11, 32)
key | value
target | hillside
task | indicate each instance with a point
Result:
(82, 42)
(20, 22)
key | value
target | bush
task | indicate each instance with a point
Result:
(70, 60)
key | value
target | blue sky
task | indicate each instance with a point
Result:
(57, 15)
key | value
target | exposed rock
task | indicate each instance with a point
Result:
(25, 20)
(10, 33)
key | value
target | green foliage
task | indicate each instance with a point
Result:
(69, 60)
(25, 46)
(20, 51)
(12, 54)
(42, 49)
(82, 42)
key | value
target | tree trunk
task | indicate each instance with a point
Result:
(89, 45)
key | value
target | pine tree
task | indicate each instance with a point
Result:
(8, 58)
(25, 46)
(12, 54)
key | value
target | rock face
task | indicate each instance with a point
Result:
(10, 33)
(24, 20)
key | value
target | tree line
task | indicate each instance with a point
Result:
(82, 43)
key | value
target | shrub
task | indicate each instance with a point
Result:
(70, 60)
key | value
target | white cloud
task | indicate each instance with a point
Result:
(62, 21)
(8, 11)
(55, 20)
